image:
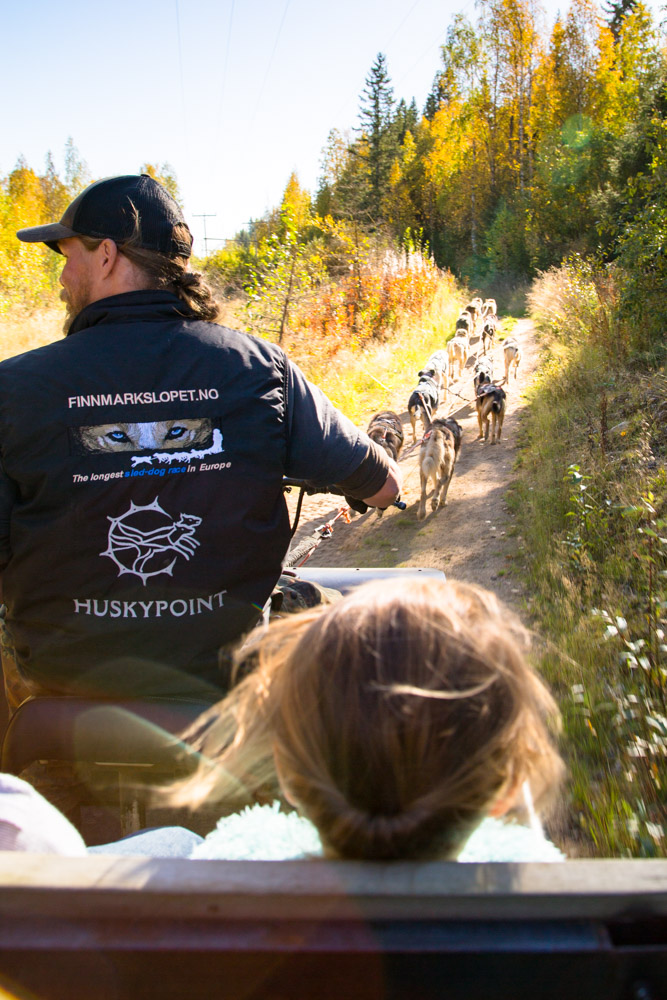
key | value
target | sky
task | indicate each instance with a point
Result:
(234, 94)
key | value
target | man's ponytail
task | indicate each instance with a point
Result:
(192, 288)
(172, 274)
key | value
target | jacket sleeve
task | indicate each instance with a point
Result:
(323, 445)
(8, 495)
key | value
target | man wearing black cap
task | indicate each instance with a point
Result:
(142, 519)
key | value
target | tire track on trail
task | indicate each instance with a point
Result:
(471, 537)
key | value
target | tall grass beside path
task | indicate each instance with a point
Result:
(590, 502)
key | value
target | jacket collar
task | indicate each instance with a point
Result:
(149, 306)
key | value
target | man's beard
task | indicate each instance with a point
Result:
(74, 303)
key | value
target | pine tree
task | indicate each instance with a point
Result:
(406, 120)
(437, 96)
(376, 118)
(617, 11)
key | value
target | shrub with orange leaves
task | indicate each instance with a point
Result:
(368, 303)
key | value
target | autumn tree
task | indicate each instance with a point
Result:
(29, 271)
(511, 47)
(25, 273)
(530, 148)
(335, 157)
(642, 244)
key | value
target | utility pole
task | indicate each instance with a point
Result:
(205, 216)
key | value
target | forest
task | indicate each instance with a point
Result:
(531, 148)
(538, 162)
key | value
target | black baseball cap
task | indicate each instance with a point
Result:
(110, 208)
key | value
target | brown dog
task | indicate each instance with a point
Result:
(437, 457)
(457, 350)
(490, 407)
(386, 430)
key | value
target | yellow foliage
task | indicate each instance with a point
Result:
(27, 274)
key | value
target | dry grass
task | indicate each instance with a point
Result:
(231, 313)
(23, 331)
(563, 302)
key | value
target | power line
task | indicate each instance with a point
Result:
(433, 45)
(396, 31)
(224, 83)
(268, 66)
(386, 45)
(180, 70)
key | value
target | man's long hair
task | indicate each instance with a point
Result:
(169, 274)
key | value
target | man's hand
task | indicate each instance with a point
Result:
(390, 491)
(358, 505)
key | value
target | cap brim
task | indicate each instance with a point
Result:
(47, 234)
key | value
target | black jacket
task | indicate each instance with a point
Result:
(142, 520)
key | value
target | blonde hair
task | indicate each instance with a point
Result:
(395, 719)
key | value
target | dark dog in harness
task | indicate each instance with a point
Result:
(386, 430)
(425, 399)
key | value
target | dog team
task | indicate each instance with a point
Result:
(441, 441)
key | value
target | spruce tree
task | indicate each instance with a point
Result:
(376, 124)
(406, 120)
(617, 11)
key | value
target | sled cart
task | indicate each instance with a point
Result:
(119, 928)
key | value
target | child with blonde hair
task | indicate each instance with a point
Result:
(395, 721)
(400, 722)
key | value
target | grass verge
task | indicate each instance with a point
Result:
(590, 504)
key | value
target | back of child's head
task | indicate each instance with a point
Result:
(396, 718)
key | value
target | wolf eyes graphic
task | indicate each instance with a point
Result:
(154, 436)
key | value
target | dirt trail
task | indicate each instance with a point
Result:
(470, 539)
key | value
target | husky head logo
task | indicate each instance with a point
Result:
(147, 541)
